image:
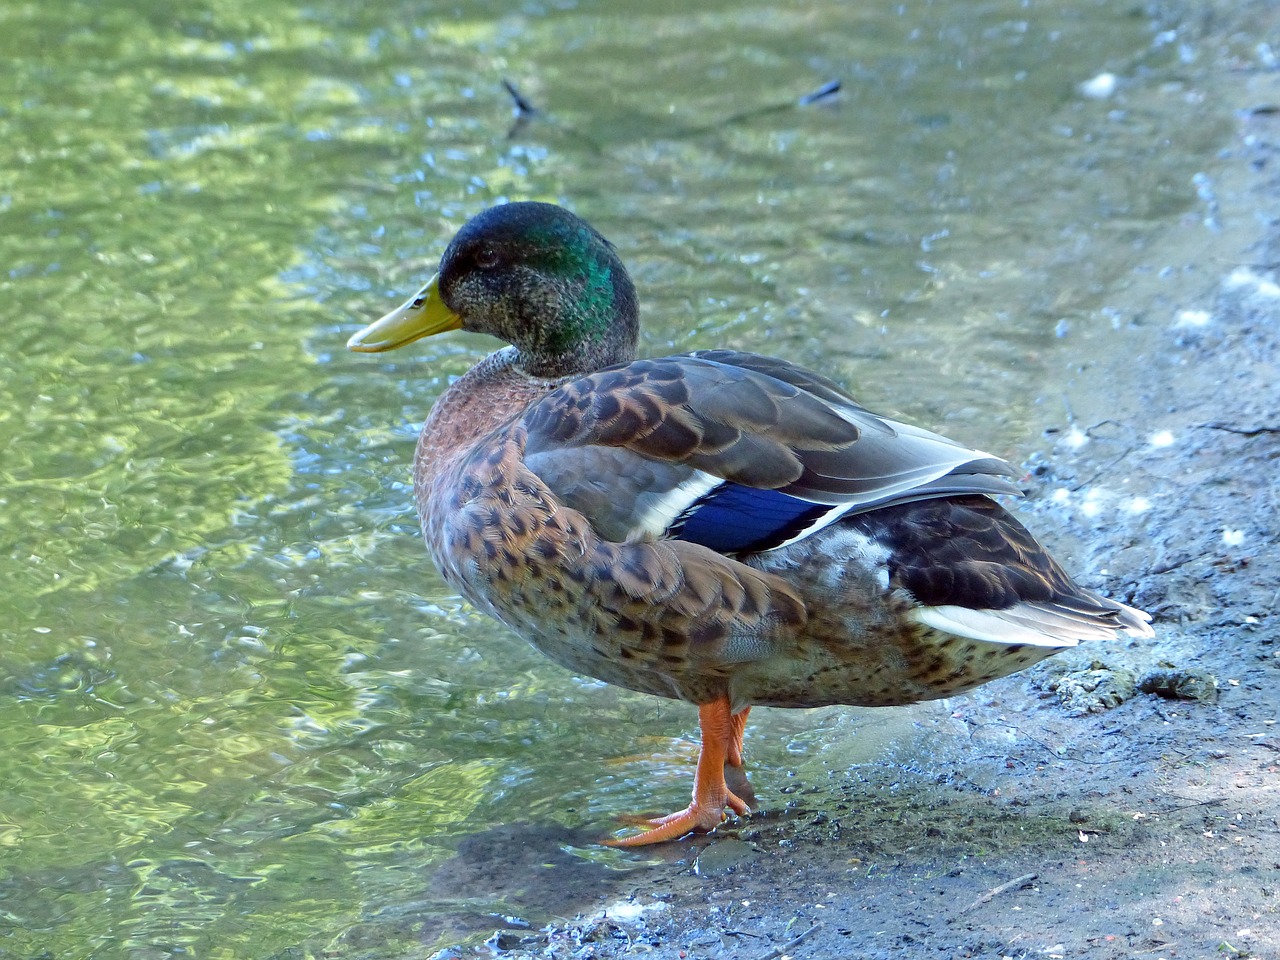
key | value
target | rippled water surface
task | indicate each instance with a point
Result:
(241, 715)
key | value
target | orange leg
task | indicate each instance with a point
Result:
(739, 722)
(721, 744)
(734, 774)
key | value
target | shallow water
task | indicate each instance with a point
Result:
(242, 715)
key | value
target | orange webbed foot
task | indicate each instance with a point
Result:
(692, 819)
(721, 752)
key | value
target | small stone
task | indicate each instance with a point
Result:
(503, 940)
(722, 857)
(601, 932)
(1094, 690)
(1175, 683)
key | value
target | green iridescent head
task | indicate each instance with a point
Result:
(534, 275)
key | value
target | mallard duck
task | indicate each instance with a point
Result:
(718, 527)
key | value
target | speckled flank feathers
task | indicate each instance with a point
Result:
(718, 527)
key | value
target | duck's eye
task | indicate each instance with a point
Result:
(486, 257)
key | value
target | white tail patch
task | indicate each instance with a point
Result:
(1020, 624)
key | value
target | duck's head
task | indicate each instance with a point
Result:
(534, 275)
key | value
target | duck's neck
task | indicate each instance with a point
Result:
(489, 395)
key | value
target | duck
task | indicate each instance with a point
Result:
(718, 527)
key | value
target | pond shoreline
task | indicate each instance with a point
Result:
(1121, 799)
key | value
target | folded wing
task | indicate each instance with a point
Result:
(735, 451)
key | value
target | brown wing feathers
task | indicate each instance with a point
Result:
(968, 552)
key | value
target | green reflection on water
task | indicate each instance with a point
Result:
(240, 714)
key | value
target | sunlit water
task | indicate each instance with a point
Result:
(241, 715)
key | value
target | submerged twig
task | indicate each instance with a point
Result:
(1015, 884)
(828, 89)
(1251, 431)
(525, 112)
(524, 108)
(790, 945)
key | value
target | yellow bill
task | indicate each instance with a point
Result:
(421, 316)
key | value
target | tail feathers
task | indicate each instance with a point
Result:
(1135, 622)
(1054, 624)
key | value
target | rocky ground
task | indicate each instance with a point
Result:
(1119, 801)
